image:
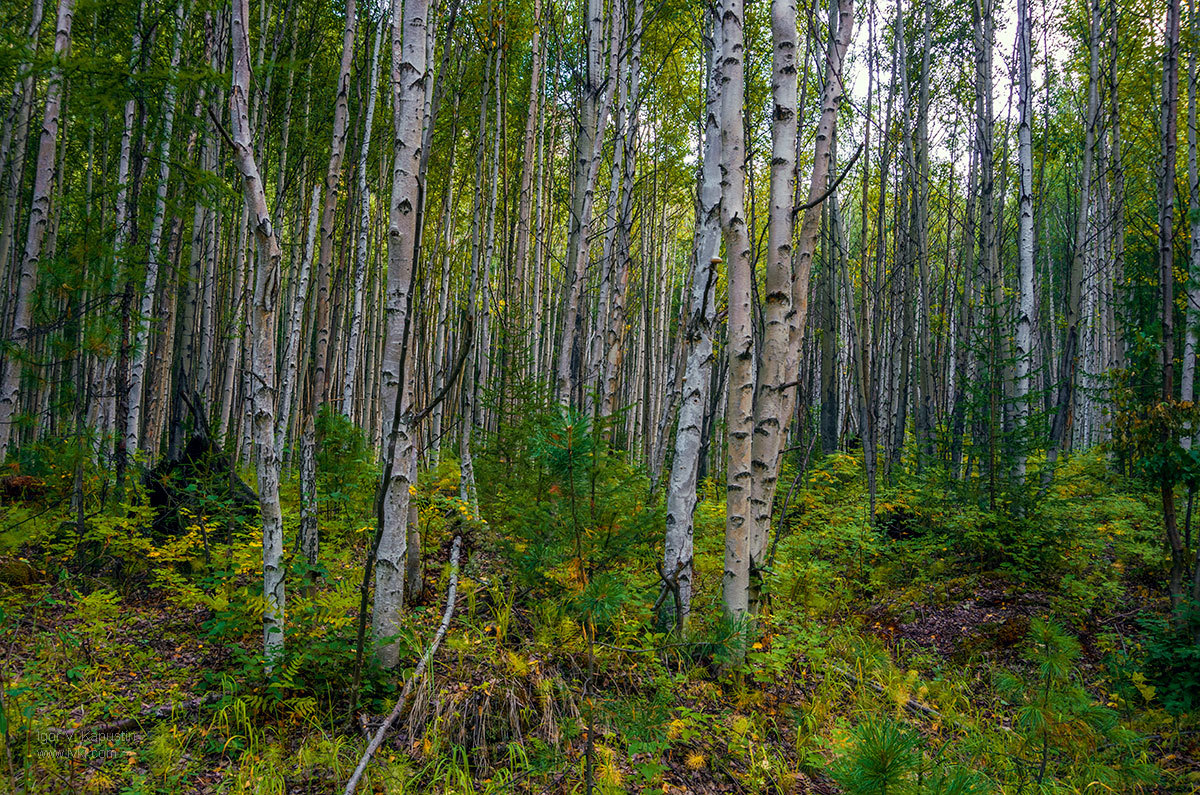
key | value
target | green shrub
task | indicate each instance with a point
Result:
(1172, 659)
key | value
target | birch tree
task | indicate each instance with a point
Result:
(408, 98)
(781, 356)
(1187, 382)
(739, 413)
(1025, 304)
(39, 218)
(133, 419)
(262, 322)
(1059, 437)
(333, 177)
(364, 223)
(13, 155)
(696, 337)
(1166, 275)
(594, 104)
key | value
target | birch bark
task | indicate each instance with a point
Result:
(137, 369)
(1187, 385)
(1060, 423)
(262, 320)
(780, 363)
(39, 211)
(595, 101)
(364, 222)
(697, 339)
(409, 73)
(1025, 308)
(22, 102)
(333, 178)
(740, 346)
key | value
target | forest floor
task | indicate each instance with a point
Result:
(952, 648)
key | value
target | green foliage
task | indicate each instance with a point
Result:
(1064, 733)
(1172, 659)
(347, 468)
(883, 759)
(582, 524)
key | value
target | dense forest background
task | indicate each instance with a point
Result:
(669, 396)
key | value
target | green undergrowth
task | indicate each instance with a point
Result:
(956, 645)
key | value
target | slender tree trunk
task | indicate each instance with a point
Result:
(1166, 276)
(1060, 436)
(469, 391)
(294, 337)
(1187, 388)
(409, 73)
(779, 363)
(926, 410)
(262, 317)
(528, 163)
(595, 101)
(740, 346)
(614, 329)
(827, 317)
(133, 420)
(441, 332)
(333, 177)
(22, 102)
(364, 223)
(39, 212)
(1023, 355)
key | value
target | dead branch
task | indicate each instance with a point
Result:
(377, 740)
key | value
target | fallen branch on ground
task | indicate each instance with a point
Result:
(377, 740)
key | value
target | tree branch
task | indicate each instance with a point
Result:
(455, 372)
(377, 740)
(829, 191)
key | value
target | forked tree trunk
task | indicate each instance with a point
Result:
(780, 361)
(783, 313)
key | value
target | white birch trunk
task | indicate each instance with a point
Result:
(262, 318)
(364, 222)
(408, 86)
(1025, 310)
(1187, 386)
(595, 102)
(292, 341)
(141, 345)
(782, 322)
(784, 333)
(22, 101)
(39, 211)
(740, 346)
